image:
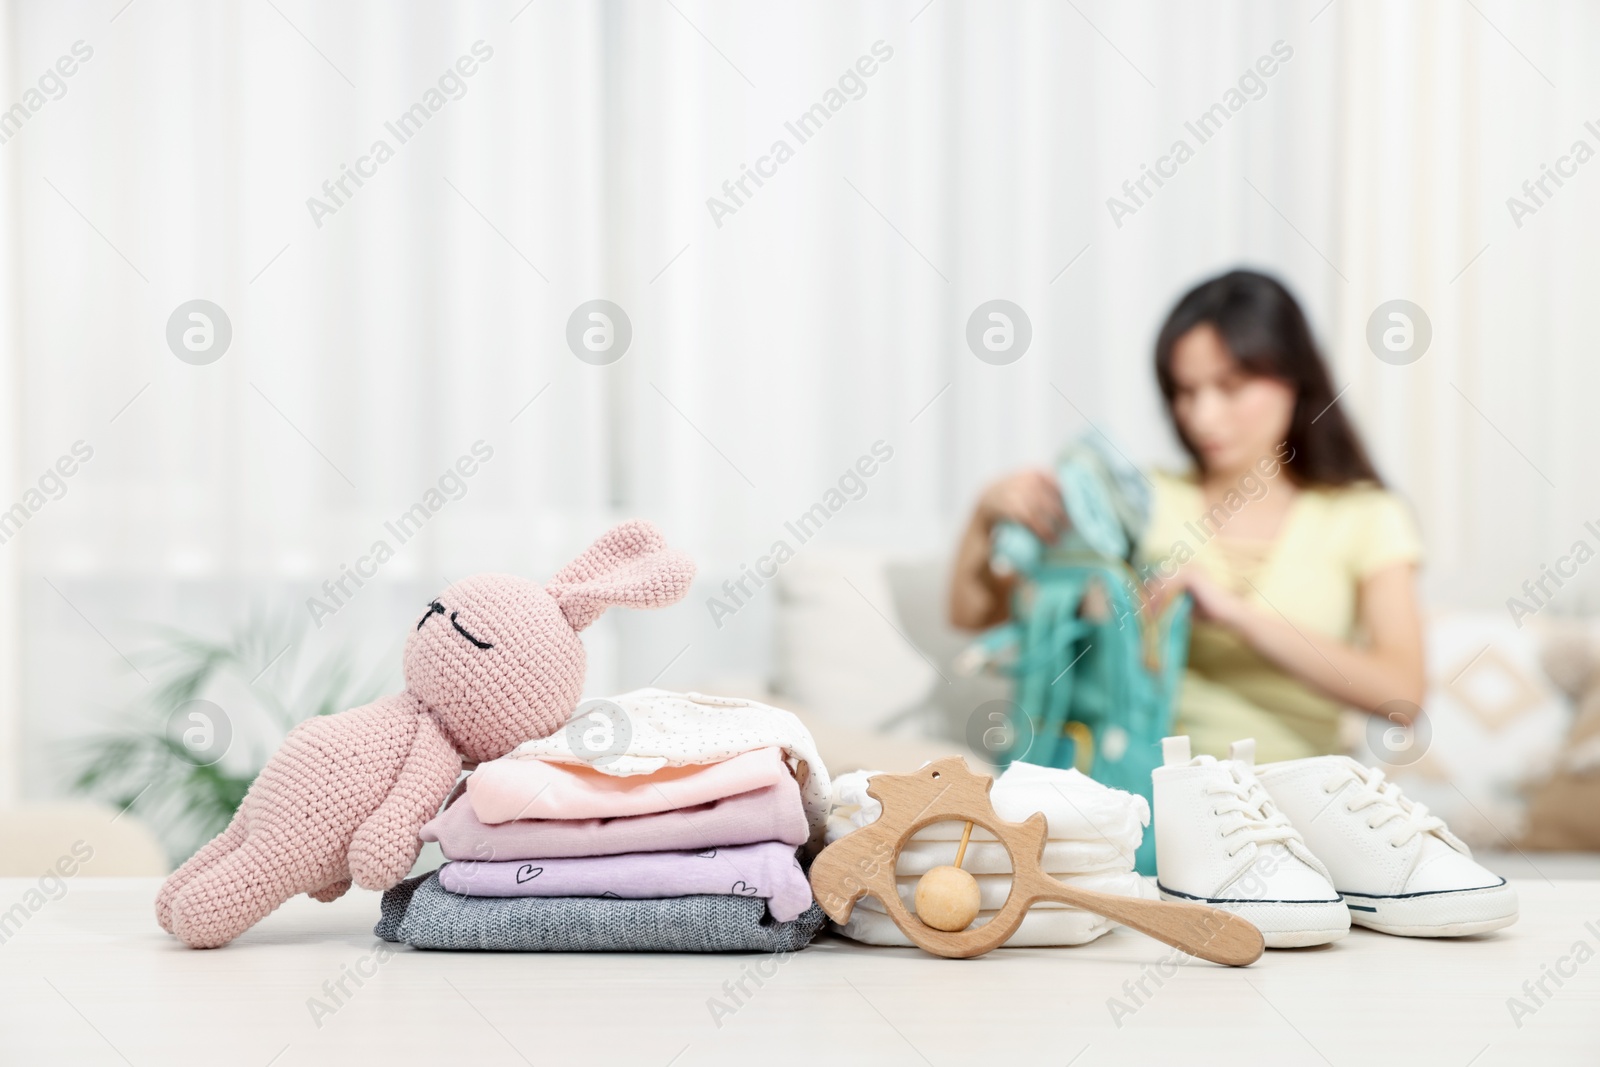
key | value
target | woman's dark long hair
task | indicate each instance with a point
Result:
(1267, 333)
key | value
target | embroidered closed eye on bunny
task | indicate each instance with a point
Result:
(494, 661)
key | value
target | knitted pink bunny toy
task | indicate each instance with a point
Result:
(495, 661)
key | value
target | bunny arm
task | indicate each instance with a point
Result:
(386, 844)
(331, 892)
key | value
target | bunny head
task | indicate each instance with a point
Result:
(498, 658)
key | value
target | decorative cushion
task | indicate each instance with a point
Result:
(841, 650)
(1493, 720)
(1564, 806)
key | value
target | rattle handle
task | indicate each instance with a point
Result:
(1203, 931)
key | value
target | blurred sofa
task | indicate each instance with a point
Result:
(863, 652)
(89, 839)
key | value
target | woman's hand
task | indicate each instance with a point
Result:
(1031, 497)
(978, 596)
(1212, 602)
(1376, 678)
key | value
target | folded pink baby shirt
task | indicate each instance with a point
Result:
(774, 813)
(767, 870)
(506, 789)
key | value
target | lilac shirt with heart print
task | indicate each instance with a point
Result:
(768, 869)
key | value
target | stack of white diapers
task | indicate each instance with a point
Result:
(1094, 831)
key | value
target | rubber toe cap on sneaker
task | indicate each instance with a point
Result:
(1441, 869)
(1287, 879)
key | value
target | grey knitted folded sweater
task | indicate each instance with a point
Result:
(422, 913)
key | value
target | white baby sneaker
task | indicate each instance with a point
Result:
(1221, 841)
(1399, 869)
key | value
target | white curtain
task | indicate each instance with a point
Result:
(1447, 110)
(373, 346)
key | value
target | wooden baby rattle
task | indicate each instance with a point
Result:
(863, 862)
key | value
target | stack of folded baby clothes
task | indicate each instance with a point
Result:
(676, 831)
(1093, 832)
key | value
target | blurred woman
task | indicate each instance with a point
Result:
(1301, 564)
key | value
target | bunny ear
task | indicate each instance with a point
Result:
(629, 565)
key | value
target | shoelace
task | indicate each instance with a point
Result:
(1259, 821)
(1373, 790)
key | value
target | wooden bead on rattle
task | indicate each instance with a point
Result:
(947, 897)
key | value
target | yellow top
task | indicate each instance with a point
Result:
(1330, 541)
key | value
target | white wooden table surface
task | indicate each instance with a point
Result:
(90, 979)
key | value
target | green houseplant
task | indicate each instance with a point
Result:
(183, 756)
